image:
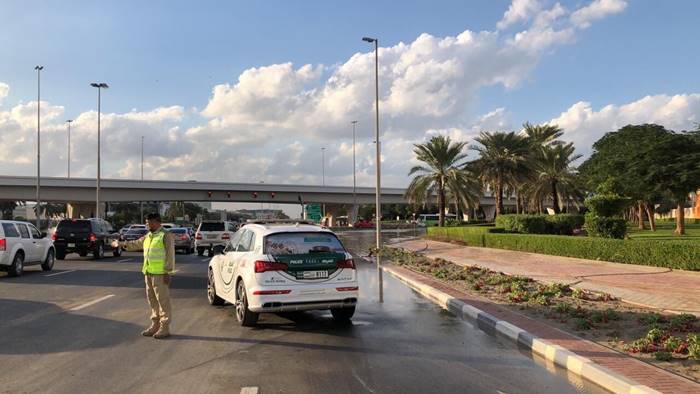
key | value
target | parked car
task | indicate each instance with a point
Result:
(183, 240)
(168, 226)
(21, 244)
(213, 235)
(363, 224)
(278, 267)
(85, 236)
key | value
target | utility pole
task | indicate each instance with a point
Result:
(354, 171)
(141, 177)
(69, 121)
(38, 146)
(99, 87)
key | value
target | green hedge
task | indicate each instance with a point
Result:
(562, 224)
(670, 254)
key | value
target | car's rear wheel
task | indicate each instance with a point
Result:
(116, 252)
(47, 265)
(99, 252)
(82, 254)
(17, 267)
(343, 314)
(211, 291)
(245, 317)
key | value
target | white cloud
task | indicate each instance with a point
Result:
(4, 91)
(583, 125)
(596, 10)
(519, 11)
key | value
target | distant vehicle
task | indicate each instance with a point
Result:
(85, 236)
(133, 235)
(213, 235)
(21, 244)
(124, 229)
(168, 226)
(183, 240)
(278, 267)
(363, 224)
(137, 227)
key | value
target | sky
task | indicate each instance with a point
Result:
(251, 91)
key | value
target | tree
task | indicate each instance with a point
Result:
(554, 174)
(543, 134)
(503, 161)
(443, 171)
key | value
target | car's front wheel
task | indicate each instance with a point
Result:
(245, 317)
(47, 265)
(211, 291)
(343, 314)
(17, 267)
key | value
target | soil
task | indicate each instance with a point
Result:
(597, 317)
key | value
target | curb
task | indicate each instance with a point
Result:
(560, 356)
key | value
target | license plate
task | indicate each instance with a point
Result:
(314, 274)
(211, 236)
(71, 245)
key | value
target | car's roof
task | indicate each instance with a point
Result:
(272, 228)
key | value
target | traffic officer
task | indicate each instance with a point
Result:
(158, 265)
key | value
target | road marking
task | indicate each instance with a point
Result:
(93, 302)
(354, 373)
(123, 260)
(249, 390)
(60, 273)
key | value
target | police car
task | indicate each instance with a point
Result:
(273, 266)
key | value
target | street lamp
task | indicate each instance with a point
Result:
(354, 171)
(323, 166)
(141, 176)
(69, 121)
(99, 86)
(38, 145)
(378, 212)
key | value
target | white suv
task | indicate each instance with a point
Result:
(213, 236)
(274, 267)
(22, 244)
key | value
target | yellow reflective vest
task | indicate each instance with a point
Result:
(154, 253)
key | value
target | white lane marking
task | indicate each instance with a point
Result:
(249, 390)
(354, 373)
(123, 260)
(93, 302)
(60, 273)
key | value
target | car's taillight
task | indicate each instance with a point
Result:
(349, 263)
(53, 236)
(198, 236)
(225, 236)
(184, 237)
(271, 292)
(353, 288)
(3, 243)
(92, 237)
(263, 266)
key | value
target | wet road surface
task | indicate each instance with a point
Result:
(76, 330)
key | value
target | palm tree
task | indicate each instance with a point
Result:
(442, 173)
(502, 162)
(543, 134)
(554, 174)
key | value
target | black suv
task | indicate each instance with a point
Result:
(84, 236)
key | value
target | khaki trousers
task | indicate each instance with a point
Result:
(158, 295)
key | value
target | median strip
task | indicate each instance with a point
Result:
(93, 302)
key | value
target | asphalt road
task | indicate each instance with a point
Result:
(76, 330)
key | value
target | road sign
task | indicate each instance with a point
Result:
(313, 212)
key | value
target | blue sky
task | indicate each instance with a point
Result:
(210, 86)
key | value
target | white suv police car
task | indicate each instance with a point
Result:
(278, 267)
(21, 244)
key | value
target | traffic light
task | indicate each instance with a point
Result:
(209, 193)
(255, 194)
(228, 194)
(272, 195)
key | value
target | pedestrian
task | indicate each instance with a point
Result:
(158, 266)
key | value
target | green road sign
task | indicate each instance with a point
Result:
(313, 212)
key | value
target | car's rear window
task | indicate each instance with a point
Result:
(212, 226)
(10, 230)
(178, 230)
(137, 232)
(302, 243)
(74, 226)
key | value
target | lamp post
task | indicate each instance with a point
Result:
(354, 171)
(141, 177)
(38, 145)
(69, 121)
(323, 175)
(378, 211)
(99, 86)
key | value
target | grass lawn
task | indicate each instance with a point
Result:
(664, 232)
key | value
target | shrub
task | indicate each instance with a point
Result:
(582, 324)
(562, 224)
(683, 322)
(669, 254)
(694, 346)
(607, 205)
(663, 356)
(674, 344)
(605, 227)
